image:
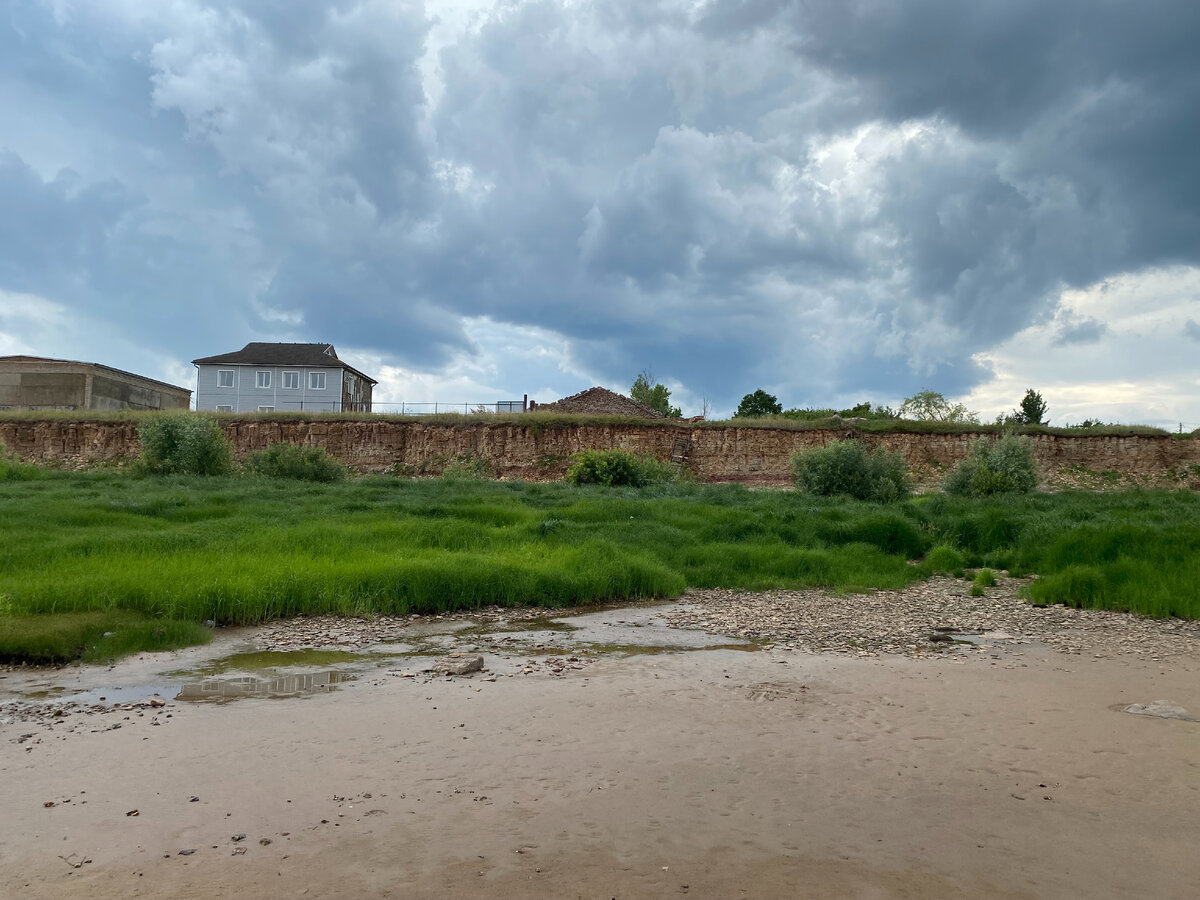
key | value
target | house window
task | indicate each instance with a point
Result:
(224, 377)
(291, 381)
(224, 409)
(316, 381)
(263, 379)
(266, 409)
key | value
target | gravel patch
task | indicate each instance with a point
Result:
(927, 619)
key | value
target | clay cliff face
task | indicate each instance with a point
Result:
(539, 453)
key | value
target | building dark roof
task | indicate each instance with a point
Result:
(602, 401)
(258, 353)
(77, 362)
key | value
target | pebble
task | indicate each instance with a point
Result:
(921, 621)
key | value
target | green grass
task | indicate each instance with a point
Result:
(544, 421)
(240, 550)
(96, 636)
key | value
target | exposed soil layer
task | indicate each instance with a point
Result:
(542, 452)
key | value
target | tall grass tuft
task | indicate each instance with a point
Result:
(283, 460)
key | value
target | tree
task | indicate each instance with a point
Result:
(647, 391)
(760, 403)
(1033, 409)
(932, 406)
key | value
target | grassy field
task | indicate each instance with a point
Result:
(241, 550)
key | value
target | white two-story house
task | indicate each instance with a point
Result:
(265, 377)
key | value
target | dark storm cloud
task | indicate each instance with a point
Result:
(822, 198)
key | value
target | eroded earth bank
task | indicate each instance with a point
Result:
(922, 744)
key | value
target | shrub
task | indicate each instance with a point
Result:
(615, 468)
(184, 444)
(846, 467)
(295, 461)
(1000, 467)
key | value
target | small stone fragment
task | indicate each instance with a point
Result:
(458, 665)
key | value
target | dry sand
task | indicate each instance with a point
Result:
(708, 773)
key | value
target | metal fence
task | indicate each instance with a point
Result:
(430, 408)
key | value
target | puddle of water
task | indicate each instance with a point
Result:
(509, 626)
(223, 689)
(133, 693)
(258, 660)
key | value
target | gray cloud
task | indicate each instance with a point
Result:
(824, 199)
(1074, 329)
(1192, 329)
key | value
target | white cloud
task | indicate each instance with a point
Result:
(1140, 369)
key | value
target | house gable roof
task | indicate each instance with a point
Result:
(261, 353)
(602, 401)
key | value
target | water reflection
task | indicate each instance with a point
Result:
(253, 686)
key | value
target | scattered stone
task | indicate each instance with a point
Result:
(457, 664)
(238, 838)
(133, 812)
(911, 622)
(186, 852)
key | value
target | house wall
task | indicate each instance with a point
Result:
(43, 390)
(246, 396)
(356, 393)
(111, 393)
(50, 384)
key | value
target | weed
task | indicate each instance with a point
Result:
(294, 461)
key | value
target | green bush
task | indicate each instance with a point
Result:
(295, 461)
(616, 468)
(1006, 466)
(846, 467)
(184, 444)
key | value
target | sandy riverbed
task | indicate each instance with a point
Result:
(705, 773)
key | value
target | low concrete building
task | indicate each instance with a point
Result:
(267, 377)
(599, 401)
(38, 383)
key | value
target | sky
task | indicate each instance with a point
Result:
(830, 200)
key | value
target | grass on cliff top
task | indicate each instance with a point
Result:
(540, 421)
(241, 551)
